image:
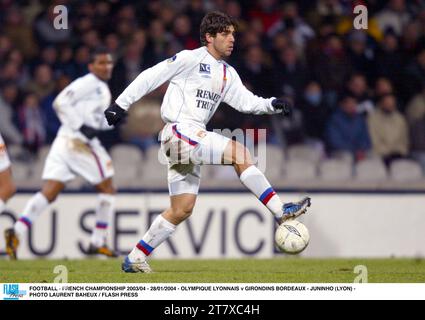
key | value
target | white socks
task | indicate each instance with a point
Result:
(159, 231)
(35, 206)
(104, 209)
(257, 183)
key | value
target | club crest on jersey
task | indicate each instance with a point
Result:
(204, 68)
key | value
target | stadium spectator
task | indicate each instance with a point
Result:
(81, 59)
(330, 67)
(415, 110)
(314, 111)
(394, 16)
(8, 98)
(412, 39)
(265, 11)
(292, 72)
(127, 68)
(294, 25)
(357, 87)
(65, 63)
(388, 55)
(182, 30)
(383, 86)
(361, 58)
(158, 40)
(257, 72)
(52, 122)
(347, 130)
(42, 84)
(388, 130)
(31, 123)
(414, 76)
(18, 31)
(415, 115)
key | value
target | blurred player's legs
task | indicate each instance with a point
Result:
(34, 207)
(7, 190)
(7, 187)
(104, 210)
(67, 158)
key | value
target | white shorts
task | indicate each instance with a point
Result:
(187, 147)
(68, 157)
(4, 158)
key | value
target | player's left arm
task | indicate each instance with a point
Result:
(243, 100)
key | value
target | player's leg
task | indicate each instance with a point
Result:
(93, 163)
(37, 204)
(7, 187)
(7, 190)
(33, 209)
(252, 178)
(55, 174)
(161, 229)
(104, 209)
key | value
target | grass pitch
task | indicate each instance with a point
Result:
(279, 270)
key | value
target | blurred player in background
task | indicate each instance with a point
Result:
(77, 151)
(7, 187)
(199, 81)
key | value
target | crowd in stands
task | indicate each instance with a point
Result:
(361, 91)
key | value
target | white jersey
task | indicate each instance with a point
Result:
(82, 102)
(198, 84)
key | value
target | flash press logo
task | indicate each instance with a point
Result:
(12, 292)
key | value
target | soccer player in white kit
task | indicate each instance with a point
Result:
(199, 81)
(7, 187)
(77, 151)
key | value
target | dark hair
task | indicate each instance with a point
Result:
(345, 96)
(97, 51)
(215, 22)
(382, 97)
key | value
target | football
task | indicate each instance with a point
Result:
(292, 237)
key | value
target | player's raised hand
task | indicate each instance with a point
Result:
(282, 104)
(114, 114)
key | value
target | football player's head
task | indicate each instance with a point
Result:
(217, 33)
(101, 63)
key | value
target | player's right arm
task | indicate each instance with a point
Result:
(147, 81)
(66, 104)
(66, 107)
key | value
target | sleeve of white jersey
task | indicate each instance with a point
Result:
(152, 78)
(67, 101)
(243, 100)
